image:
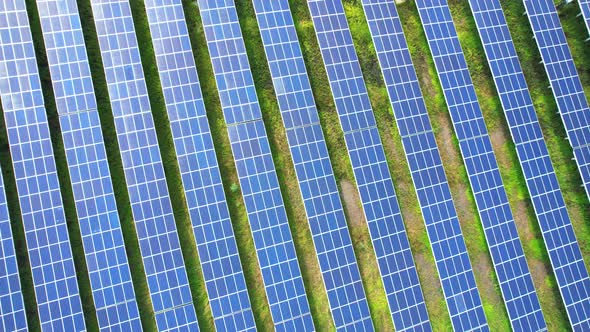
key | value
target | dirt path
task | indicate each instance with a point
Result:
(351, 198)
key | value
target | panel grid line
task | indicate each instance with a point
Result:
(585, 11)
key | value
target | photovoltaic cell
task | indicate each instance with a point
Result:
(12, 306)
(585, 7)
(564, 251)
(256, 171)
(565, 82)
(218, 253)
(142, 163)
(50, 255)
(318, 185)
(104, 248)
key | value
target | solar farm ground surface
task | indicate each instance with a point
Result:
(560, 152)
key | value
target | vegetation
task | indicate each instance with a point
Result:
(560, 151)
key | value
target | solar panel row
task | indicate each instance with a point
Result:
(381, 208)
(426, 165)
(585, 7)
(12, 307)
(216, 243)
(531, 148)
(38, 188)
(256, 171)
(312, 165)
(144, 173)
(490, 195)
(50, 253)
(104, 248)
(564, 251)
(564, 80)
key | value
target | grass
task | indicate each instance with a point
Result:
(561, 154)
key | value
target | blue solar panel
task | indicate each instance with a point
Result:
(415, 128)
(565, 82)
(490, 195)
(256, 171)
(318, 185)
(12, 306)
(201, 178)
(531, 148)
(50, 254)
(370, 168)
(564, 250)
(585, 7)
(142, 164)
(104, 248)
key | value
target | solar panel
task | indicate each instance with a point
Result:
(352, 102)
(490, 195)
(142, 163)
(12, 306)
(273, 241)
(531, 148)
(419, 143)
(524, 125)
(565, 82)
(104, 248)
(44, 221)
(216, 243)
(377, 193)
(564, 251)
(585, 7)
(319, 188)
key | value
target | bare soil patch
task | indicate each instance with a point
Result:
(452, 162)
(521, 216)
(499, 138)
(487, 284)
(424, 76)
(433, 294)
(352, 206)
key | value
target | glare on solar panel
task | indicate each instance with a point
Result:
(256, 172)
(12, 306)
(144, 173)
(216, 243)
(50, 255)
(104, 248)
